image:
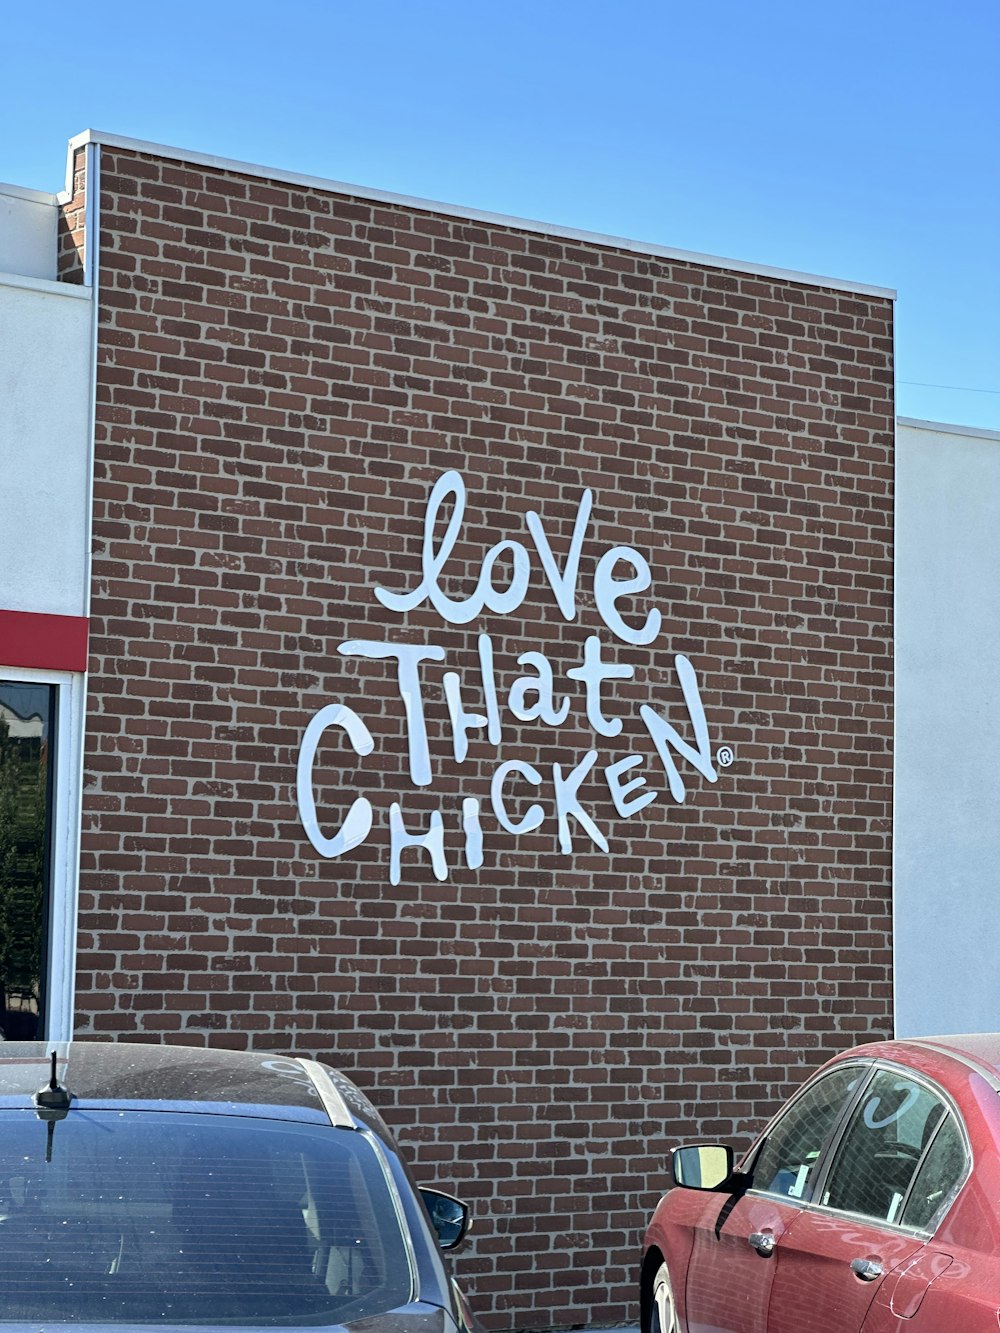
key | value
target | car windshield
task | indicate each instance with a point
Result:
(139, 1217)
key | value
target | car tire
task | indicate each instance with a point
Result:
(662, 1310)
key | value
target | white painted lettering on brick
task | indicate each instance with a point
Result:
(540, 685)
(538, 696)
(534, 815)
(409, 656)
(357, 825)
(620, 790)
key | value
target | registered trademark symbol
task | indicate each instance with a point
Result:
(725, 756)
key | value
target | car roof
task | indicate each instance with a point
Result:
(979, 1051)
(983, 1048)
(99, 1073)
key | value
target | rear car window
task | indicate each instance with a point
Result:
(943, 1167)
(151, 1217)
(883, 1147)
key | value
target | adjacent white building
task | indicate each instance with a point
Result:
(46, 397)
(947, 779)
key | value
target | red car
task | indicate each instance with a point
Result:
(870, 1203)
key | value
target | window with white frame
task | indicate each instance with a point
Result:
(27, 749)
(40, 739)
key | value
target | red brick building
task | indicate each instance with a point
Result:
(584, 547)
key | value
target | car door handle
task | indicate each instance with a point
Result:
(866, 1269)
(762, 1242)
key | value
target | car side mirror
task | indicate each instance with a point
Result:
(702, 1166)
(450, 1217)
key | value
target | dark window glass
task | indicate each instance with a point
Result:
(878, 1155)
(942, 1169)
(146, 1217)
(27, 720)
(786, 1163)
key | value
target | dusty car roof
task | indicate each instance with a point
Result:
(979, 1051)
(132, 1073)
(982, 1047)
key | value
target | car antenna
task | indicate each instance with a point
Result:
(52, 1104)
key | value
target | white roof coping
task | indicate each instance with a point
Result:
(74, 290)
(469, 214)
(32, 196)
(943, 428)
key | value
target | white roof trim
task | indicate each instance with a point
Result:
(469, 214)
(32, 196)
(47, 285)
(942, 428)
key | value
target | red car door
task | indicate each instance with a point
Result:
(861, 1225)
(732, 1263)
(738, 1240)
(829, 1271)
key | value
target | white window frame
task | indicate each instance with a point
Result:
(65, 817)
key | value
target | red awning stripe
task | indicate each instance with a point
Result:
(47, 643)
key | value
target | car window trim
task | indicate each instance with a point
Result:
(411, 1256)
(833, 1146)
(827, 1156)
(951, 1108)
(823, 1176)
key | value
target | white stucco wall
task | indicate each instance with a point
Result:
(45, 355)
(947, 785)
(28, 221)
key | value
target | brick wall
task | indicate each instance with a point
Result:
(72, 224)
(284, 376)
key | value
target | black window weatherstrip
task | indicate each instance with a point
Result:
(829, 1154)
(835, 1134)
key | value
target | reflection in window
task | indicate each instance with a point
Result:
(153, 1218)
(786, 1163)
(879, 1154)
(27, 720)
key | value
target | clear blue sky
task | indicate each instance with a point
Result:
(853, 138)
